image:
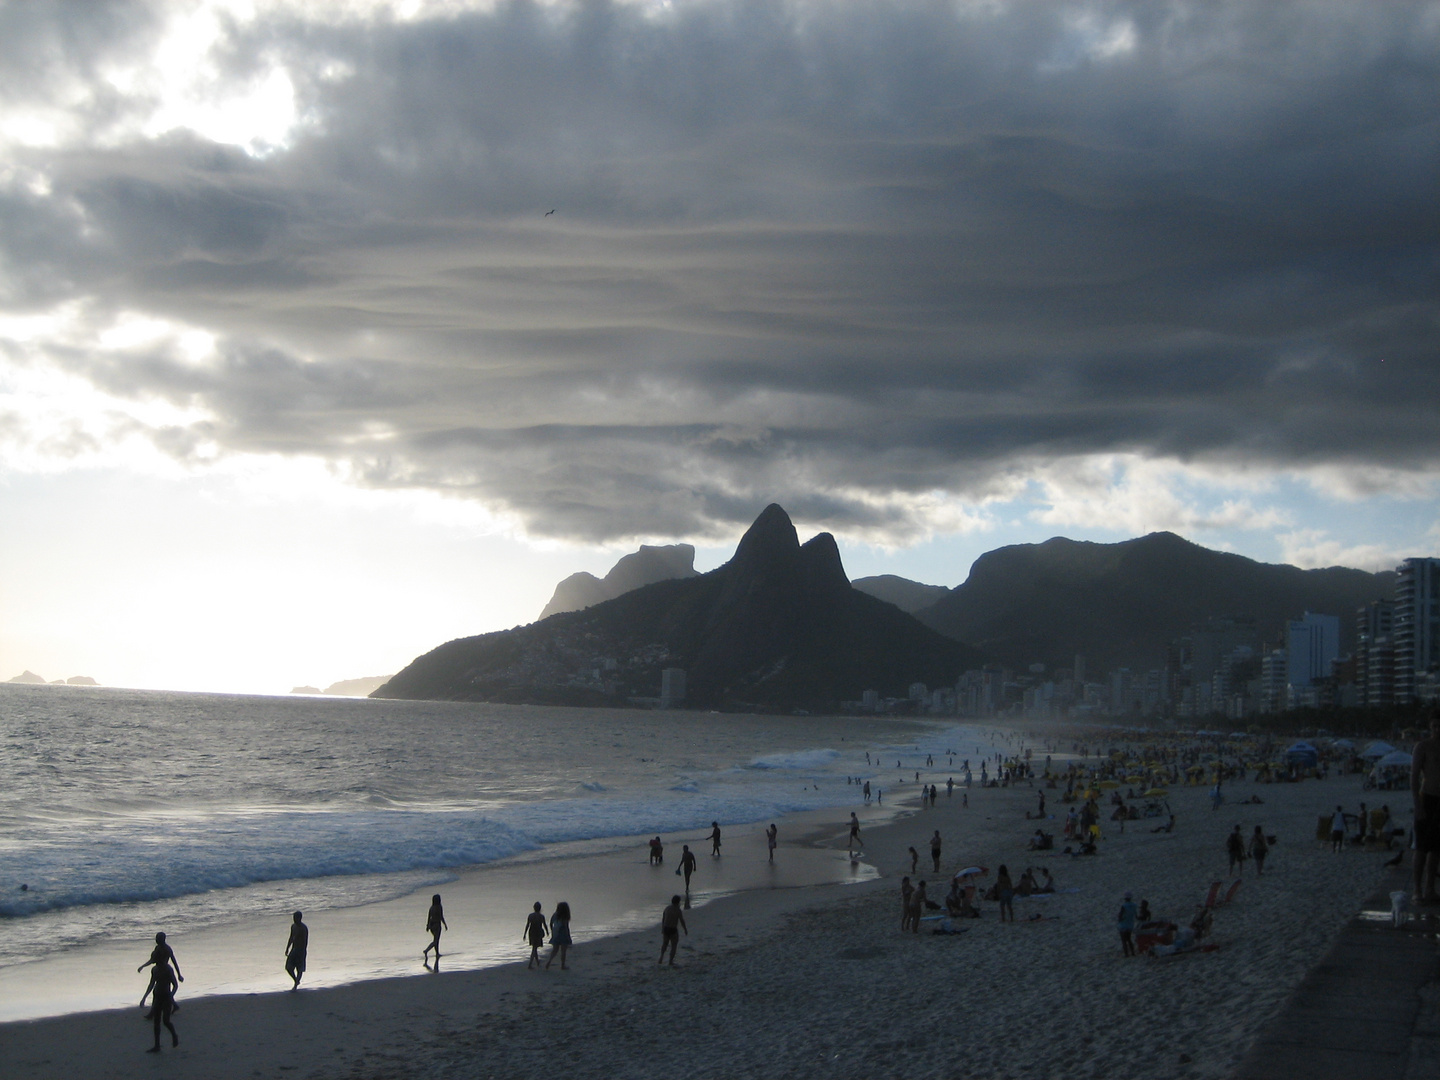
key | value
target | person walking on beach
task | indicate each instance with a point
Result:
(1425, 791)
(162, 1005)
(770, 834)
(687, 866)
(657, 852)
(672, 921)
(161, 954)
(906, 892)
(935, 850)
(1005, 893)
(434, 923)
(1259, 848)
(867, 791)
(296, 946)
(560, 940)
(534, 933)
(854, 844)
(715, 839)
(1125, 923)
(1337, 829)
(917, 907)
(1235, 849)
(914, 860)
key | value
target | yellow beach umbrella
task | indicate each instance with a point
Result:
(1109, 785)
(1156, 792)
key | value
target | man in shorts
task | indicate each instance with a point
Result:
(854, 841)
(295, 949)
(672, 921)
(1425, 789)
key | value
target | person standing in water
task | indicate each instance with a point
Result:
(560, 941)
(715, 838)
(672, 921)
(434, 923)
(770, 834)
(854, 843)
(296, 947)
(534, 933)
(162, 984)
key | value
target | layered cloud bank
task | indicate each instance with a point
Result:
(885, 263)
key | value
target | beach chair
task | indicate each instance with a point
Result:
(1213, 896)
(1230, 892)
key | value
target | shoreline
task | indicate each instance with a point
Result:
(790, 974)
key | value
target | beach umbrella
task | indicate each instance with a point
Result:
(972, 871)
(1343, 744)
(1376, 750)
(1156, 793)
(1394, 759)
(1109, 785)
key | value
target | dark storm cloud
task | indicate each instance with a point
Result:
(820, 254)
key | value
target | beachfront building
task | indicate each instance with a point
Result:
(1312, 644)
(1417, 628)
(1273, 681)
(1375, 654)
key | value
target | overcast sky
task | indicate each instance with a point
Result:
(300, 376)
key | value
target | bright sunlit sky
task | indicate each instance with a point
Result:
(298, 377)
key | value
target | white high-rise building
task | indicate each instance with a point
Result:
(1311, 643)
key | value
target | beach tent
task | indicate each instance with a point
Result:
(1396, 759)
(1376, 750)
(1303, 754)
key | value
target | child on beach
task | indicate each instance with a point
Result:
(672, 921)
(534, 932)
(914, 860)
(434, 923)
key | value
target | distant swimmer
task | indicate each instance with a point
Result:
(854, 842)
(672, 921)
(534, 933)
(770, 834)
(162, 984)
(434, 923)
(714, 838)
(296, 948)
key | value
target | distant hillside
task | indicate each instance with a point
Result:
(1120, 604)
(639, 568)
(357, 687)
(28, 676)
(905, 594)
(777, 627)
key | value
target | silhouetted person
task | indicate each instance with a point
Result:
(672, 921)
(162, 953)
(687, 866)
(770, 834)
(935, 850)
(657, 852)
(434, 923)
(854, 842)
(714, 838)
(535, 928)
(295, 949)
(560, 941)
(162, 984)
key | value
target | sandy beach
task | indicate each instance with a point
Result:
(809, 980)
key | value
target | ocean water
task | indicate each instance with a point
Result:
(122, 810)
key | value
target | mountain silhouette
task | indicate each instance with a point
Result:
(907, 595)
(639, 568)
(777, 627)
(1120, 605)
